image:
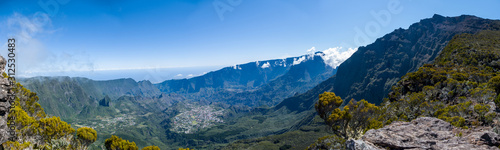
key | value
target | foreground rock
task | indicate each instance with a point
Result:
(425, 133)
(4, 135)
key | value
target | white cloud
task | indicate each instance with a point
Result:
(237, 67)
(25, 29)
(266, 65)
(334, 57)
(33, 58)
(299, 60)
(179, 75)
(190, 75)
(310, 55)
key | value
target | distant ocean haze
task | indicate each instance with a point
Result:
(155, 75)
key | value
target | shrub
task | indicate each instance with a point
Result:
(16, 145)
(151, 148)
(116, 143)
(352, 121)
(481, 110)
(85, 137)
(54, 128)
(489, 118)
(328, 101)
(497, 101)
(86, 134)
(495, 83)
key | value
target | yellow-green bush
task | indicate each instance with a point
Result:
(54, 128)
(151, 148)
(328, 101)
(84, 137)
(352, 121)
(86, 134)
(495, 83)
(16, 145)
(117, 143)
(31, 120)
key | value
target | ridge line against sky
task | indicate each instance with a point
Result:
(93, 35)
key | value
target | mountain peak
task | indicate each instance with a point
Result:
(437, 16)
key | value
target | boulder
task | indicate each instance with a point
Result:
(426, 133)
(360, 145)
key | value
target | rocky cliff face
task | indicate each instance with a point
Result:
(425, 133)
(380, 65)
(4, 104)
(460, 89)
(372, 71)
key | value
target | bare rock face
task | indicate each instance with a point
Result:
(426, 133)
(4, 104)
(360, 145)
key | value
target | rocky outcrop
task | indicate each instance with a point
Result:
(4, 104)
(425, 133)
(105, 101)
(360, 145)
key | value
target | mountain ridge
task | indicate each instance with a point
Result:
(255, 83)
(383, 69)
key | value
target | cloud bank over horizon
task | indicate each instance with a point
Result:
(32, 55)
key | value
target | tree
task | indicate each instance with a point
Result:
(116, 143)
(328, 101)
(86, 136)
(352, 121)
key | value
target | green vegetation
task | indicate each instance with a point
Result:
(328, 142)
(466, 70)
(116, 143)
(31, 121)
(352, 121)
(328, 101)
(16, 145)
(51, 132)
(75, 101)
(458, 88)
(86, 136)
(298, 139)
(151, 148)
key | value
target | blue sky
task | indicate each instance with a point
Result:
(95, 35)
